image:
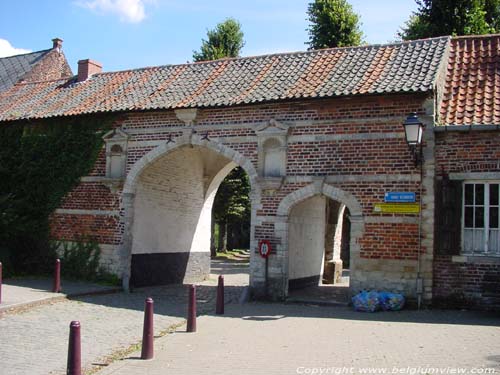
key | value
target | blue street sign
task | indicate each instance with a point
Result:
(399, 197)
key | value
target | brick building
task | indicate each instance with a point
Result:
(37, 66)
(320, 136)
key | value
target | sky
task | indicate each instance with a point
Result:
(127, 34)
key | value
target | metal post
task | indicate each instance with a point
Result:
(147, 351)
(57, 277)
(74, 366)
(191, 321)
(219, 308)
(267, 277)
(0, 282)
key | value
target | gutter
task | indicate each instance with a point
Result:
(465, 128)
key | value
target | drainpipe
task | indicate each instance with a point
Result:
(419, 280)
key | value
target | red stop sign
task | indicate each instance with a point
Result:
(264, 248)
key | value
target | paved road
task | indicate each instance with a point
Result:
(35, 342)
(299, 339)
(248, 339)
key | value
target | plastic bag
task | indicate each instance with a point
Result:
(366, 301)
(374, 301)
(391, 301)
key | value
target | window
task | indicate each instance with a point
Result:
(481, 230)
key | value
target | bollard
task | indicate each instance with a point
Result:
(191, 321)
(219, 307)
(0, 282)
(74, 350)
(57, 277)
(147, 351)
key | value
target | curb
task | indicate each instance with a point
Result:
(60, 297)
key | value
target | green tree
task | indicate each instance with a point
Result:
(452, 17)
(333, 23)
(226, 40)
(231, 209)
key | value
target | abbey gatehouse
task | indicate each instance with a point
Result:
(321, 137)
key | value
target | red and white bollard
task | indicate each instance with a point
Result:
(57, 277)
(219, 307)
(191, 320)
(147, 351)
(74, 366)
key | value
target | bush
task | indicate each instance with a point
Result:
(80, 261)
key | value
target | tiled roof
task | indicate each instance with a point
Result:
(13, 68)
(377, 69)
(472, 89)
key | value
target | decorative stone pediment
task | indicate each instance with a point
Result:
(272, 128)
(116, 135)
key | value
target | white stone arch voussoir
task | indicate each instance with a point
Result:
(329, 191)
(194, 140)
(356, 218)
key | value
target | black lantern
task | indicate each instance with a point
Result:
(414, 130)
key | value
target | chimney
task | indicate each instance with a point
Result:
(87, 68)
(57, 44)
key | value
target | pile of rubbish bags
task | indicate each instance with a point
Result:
(374, 301)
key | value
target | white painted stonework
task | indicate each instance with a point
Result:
(172, 209)
(307, 238)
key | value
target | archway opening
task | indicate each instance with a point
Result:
(319, 249)
(172, 221)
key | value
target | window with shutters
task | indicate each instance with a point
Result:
(480, 222)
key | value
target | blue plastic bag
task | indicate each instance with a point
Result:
(374, 301)
(391, 301)
(366, 301)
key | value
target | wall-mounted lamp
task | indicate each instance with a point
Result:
(414, 130)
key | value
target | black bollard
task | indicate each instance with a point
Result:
(191, 320)
(147, 351)
(57, 277)
(219, 307)
(74, 350)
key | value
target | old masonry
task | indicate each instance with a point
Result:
(320, 136)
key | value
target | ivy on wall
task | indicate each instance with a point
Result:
(40, 162)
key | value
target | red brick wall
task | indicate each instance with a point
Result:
(477, 283)
(103, 229)
(51, 67)
(342, 117)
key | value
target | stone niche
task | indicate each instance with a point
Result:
(116, 153)
(272, 153)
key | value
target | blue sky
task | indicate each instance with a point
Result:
(125, 34)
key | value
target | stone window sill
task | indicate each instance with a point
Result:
(475, 259)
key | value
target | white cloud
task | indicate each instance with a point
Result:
(6, 49)
(128, 10)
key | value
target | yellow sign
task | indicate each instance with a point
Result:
(397, 208)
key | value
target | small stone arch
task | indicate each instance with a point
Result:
(329, 191)
(133, 176)
(319, 188)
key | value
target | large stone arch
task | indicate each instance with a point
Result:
(188, 140)
(300, 195)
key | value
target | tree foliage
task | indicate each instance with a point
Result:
(333, 23)
(226, 40)
(40, 163)
(231, 207)
(452, 17)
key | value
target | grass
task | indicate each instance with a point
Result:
(236, 254)
(123, 353)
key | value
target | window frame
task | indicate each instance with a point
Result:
(486, 224)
